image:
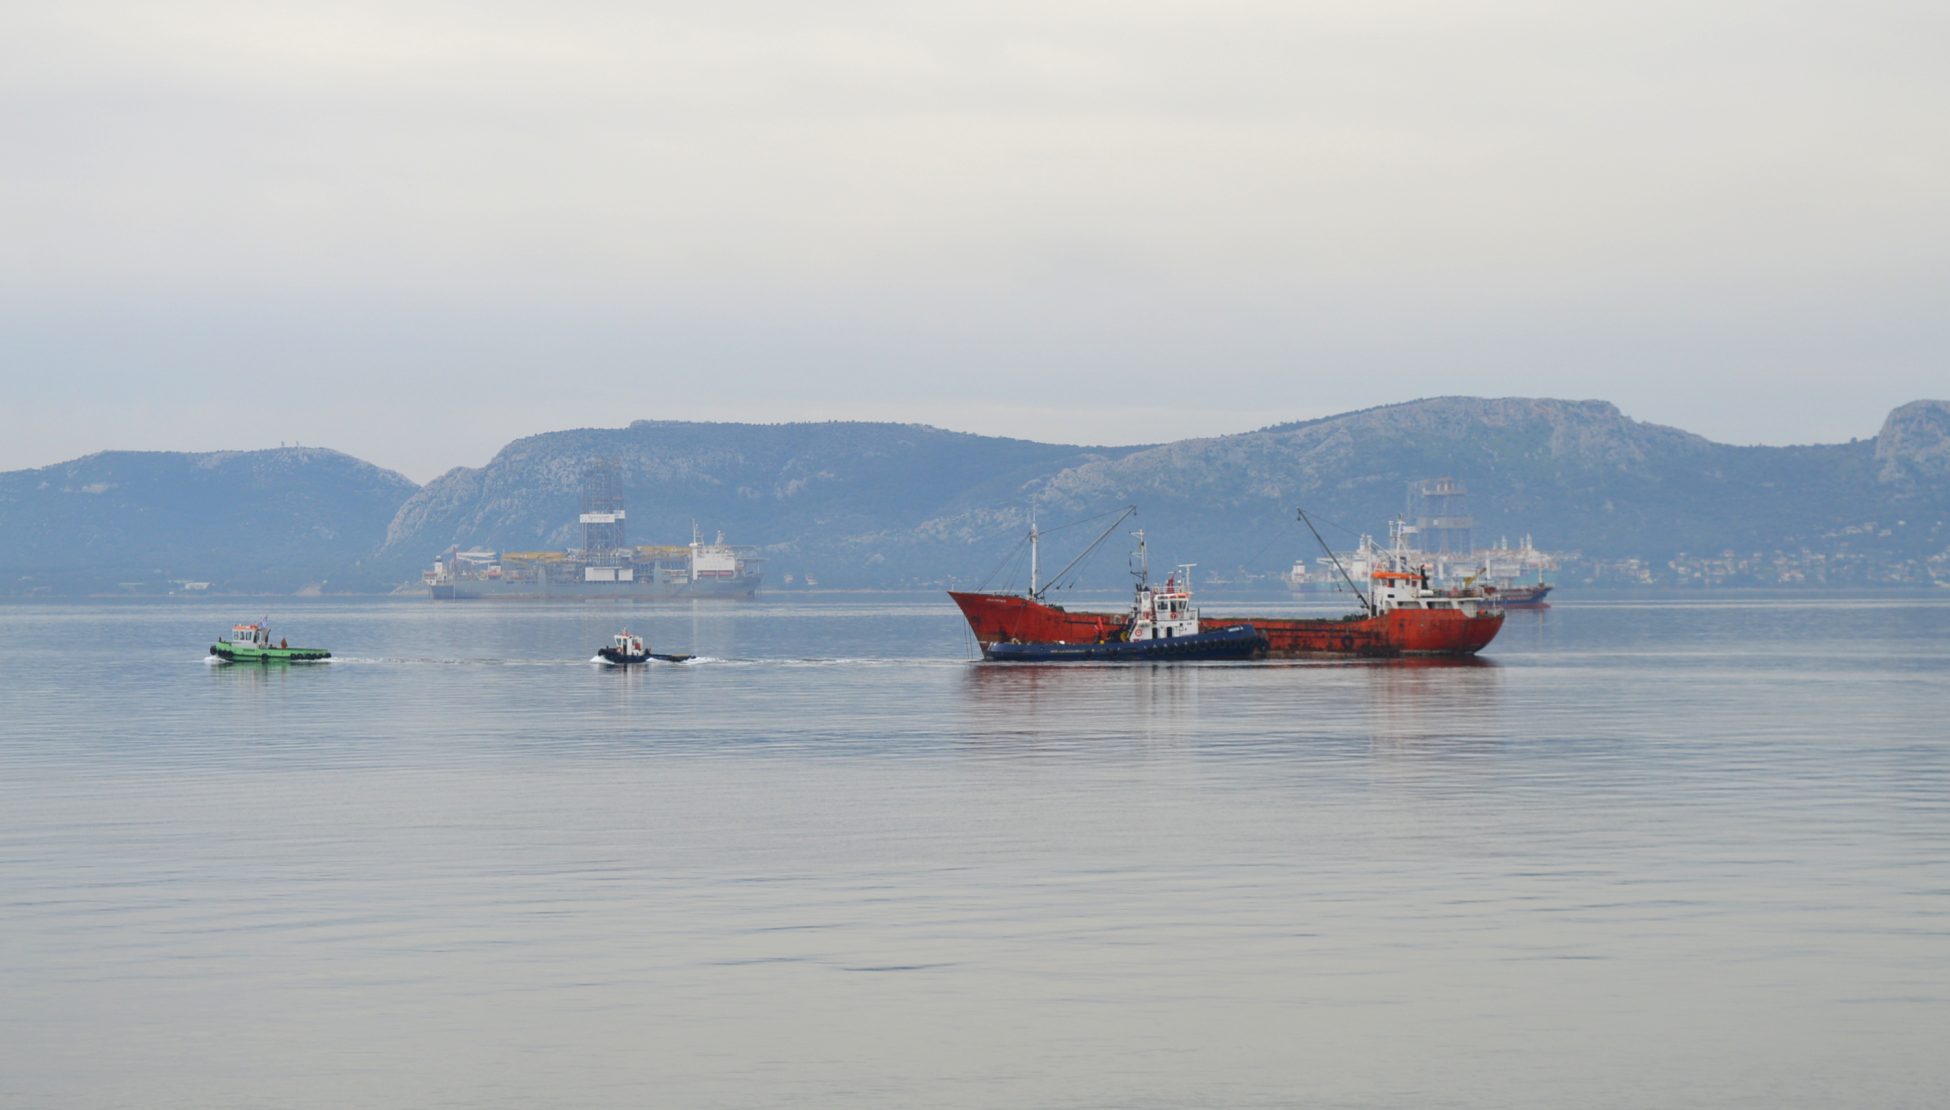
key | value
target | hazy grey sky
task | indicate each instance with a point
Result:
(414, 231)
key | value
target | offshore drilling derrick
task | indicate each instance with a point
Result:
(604, 539)
(1438, 513)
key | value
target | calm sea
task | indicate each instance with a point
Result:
(1644, 853)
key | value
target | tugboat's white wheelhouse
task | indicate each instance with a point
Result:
(250, 635)
(1167, 611)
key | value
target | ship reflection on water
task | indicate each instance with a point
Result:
(1390, 708)
(1434, 707)
(1072, 701)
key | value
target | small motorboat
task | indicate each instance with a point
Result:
(251, 643)
(627, 649)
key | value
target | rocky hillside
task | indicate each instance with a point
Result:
(134, 521)
(817, 494)
(1912, 455)
(889, 505)
(1577, 474)
(884, 505)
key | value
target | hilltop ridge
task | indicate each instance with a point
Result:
(279, 519)
(868, 504)
(882, 504)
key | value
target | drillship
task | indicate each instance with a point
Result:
(605, 566)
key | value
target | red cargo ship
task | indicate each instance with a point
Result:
(1524, 597)
(1401, 615)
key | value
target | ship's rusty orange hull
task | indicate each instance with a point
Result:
(1000, 618)
(1401, 632)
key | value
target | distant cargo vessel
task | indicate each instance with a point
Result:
(1436, 532)
(605, 566)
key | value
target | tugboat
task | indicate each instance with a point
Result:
(627, 649)
(1163, 626)
(251, 643)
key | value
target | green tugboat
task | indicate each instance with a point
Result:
(251, 643)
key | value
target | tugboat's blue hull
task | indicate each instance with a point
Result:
(1239, 641)
(630, 659)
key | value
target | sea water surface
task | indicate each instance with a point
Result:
(1643, 853)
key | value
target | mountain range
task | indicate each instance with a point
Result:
(890, 505)
(244, 521)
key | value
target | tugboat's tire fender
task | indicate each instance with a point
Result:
(1347, 643)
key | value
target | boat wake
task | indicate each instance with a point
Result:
(836, 662)
(695, 661)
(799, 663)
(403, 661)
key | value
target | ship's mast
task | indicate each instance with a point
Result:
(1143, 572)
(1060, 575)
(1032, 551)
(1365, 603)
